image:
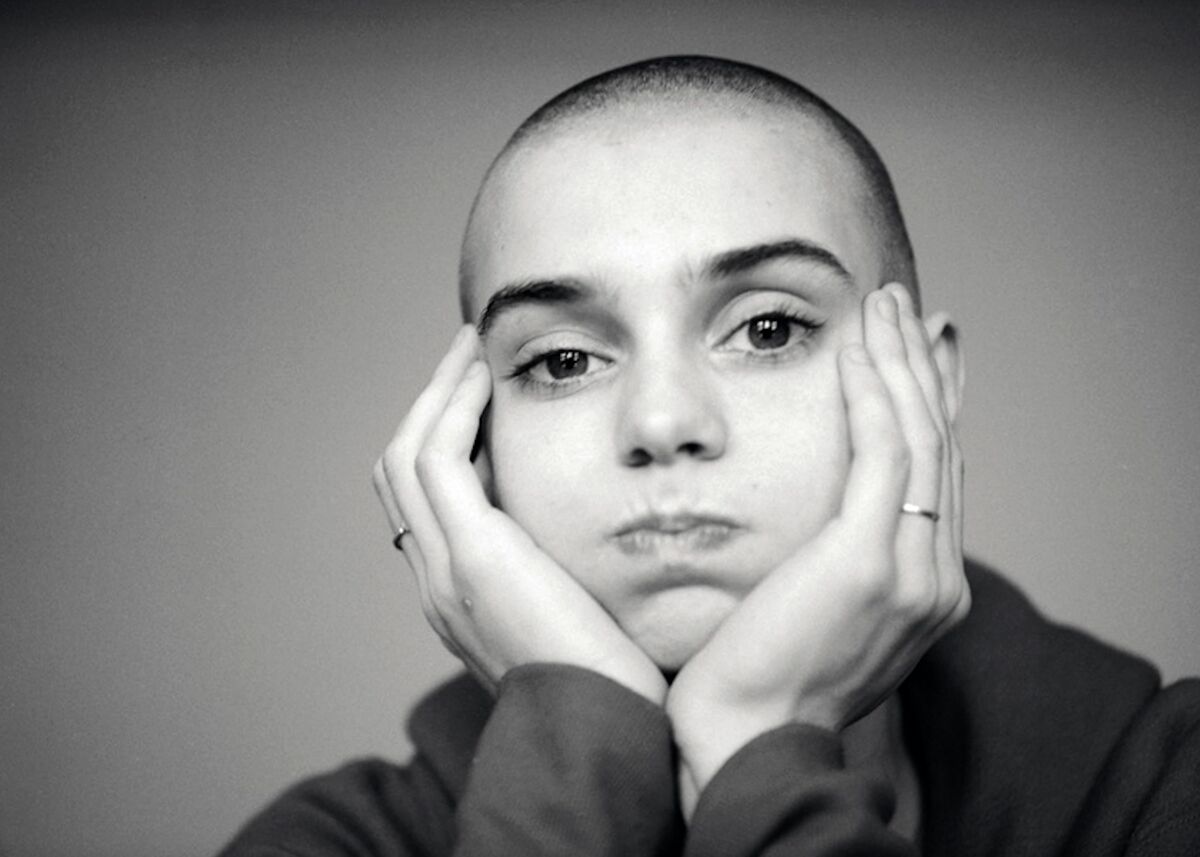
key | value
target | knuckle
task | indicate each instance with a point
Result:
(963, 605)
(432, 616)
(918, 602)
(464, 559)
(875, 580)
(448, 643)
(395, 455)
(427, 462)
(428, 608)
(443, 596)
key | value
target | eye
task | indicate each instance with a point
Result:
(566, 364)
(559, 368)
(771, 332)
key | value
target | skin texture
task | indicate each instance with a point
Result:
(816, 596)
(771, 436)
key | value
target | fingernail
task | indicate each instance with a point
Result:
(856, 354)
(886, 304)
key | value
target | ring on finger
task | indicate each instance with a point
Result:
(914, 509)
(396, 542)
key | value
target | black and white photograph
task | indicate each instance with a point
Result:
(545, 427)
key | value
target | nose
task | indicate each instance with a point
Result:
(670, 410)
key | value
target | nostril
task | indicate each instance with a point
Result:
(639, 458)
(662, 424)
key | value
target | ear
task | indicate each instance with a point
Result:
(947, 356)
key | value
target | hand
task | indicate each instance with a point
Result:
(495, 599)
(829, 634)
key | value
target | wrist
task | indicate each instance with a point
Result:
(618, 659)
(708, 731)
(708, 735)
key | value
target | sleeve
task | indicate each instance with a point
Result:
(788, 792)
(367, 808)
(569, 762)
(1146, 801)
(573, 763)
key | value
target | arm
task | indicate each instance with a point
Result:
(837, 627)
(491, 594)
(367, 808)
(788, 792)
(569, 763)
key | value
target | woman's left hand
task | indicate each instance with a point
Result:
(833, 631)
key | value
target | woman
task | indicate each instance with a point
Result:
(685, 498)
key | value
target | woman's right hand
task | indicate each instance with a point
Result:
(493, 596)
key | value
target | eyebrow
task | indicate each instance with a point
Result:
(542, 292)
(546, 292)
(747, 258)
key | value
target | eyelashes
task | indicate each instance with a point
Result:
(771, 335)
(558, 368)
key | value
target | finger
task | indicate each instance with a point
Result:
(878, 476)
(951, 546)
(920, 356)
(925, 371)
(408, 548)
(951, 613)
(917, 582)
(426, 545)
(444, 467)
(947, 534)
(957, 476)
(429, 405)
(384, 492)
(885, 343)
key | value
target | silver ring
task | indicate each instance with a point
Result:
(404, 531)
(914, 509)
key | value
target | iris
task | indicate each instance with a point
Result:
(566, 364)
(769, 331)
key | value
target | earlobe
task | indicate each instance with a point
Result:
(947, 355)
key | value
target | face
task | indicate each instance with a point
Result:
(667, 303)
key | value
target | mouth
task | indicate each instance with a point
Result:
(682, 533)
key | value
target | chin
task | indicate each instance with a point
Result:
(672, 625)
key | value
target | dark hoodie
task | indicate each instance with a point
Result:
(1029, 738)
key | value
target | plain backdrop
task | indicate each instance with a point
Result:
(229, 235)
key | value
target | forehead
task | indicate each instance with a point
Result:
(640, 194)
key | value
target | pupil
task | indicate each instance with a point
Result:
(770, 331)
(566, 364)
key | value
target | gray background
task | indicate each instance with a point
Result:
(229, 240)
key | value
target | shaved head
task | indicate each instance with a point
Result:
(665, 86)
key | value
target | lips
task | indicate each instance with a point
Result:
(681, 532)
